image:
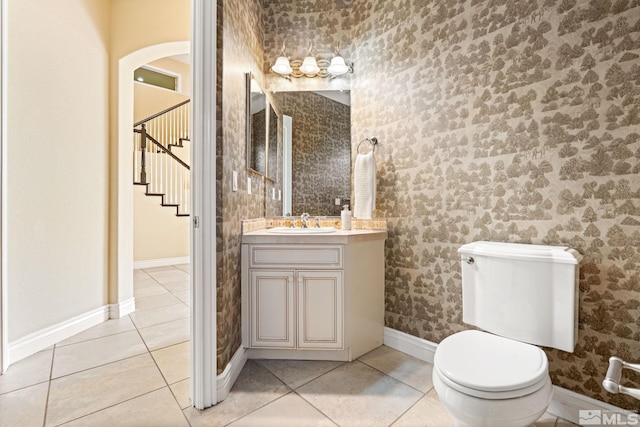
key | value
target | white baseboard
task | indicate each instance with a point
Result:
(409, 344)
(161, 262)
(565, 404)
(44, 338)
(228, 377)
(121, 309)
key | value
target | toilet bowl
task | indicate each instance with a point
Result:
(487, 380)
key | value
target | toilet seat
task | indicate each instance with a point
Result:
(489, 366)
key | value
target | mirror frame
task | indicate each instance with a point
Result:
(249, 79)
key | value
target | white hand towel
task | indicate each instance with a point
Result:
(364, 179)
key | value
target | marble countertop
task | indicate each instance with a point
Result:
(337, 237)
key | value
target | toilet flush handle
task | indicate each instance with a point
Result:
(468, 259)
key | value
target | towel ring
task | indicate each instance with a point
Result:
(372, 140)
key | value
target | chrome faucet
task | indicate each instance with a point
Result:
(304, 218)
(292, 223)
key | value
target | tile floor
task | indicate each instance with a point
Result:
(134, 372)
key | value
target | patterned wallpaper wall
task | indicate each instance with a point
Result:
(241, 51)
(321, 151)
(509, 121)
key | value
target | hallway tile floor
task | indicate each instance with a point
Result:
(134, 371)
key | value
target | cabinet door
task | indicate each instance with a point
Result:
(320, 309)
(272, 309)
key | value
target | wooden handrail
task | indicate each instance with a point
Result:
(161, 113)
(161, 147)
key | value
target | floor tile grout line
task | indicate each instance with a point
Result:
(161, 323)
(46, 402)
(156, 363)
(93, 339)
(110, 406)
(316, 378)
(342, 363)
(154, 360)
(392, 377)
(98, 366)
(189, 340)
(290, 390)
(167, 346)
(316, 408)
(411, 406)
(24, 387)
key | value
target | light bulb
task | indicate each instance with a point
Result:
(309, 66)
(338, 66)
(282, 66)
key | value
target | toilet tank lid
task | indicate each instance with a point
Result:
(539, 253)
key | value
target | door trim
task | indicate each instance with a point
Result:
(4, 338)
(203, 196)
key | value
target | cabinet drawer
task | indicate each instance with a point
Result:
(313, 256)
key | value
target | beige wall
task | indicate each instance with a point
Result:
(149, 100)
(57, 156)
(157, 231)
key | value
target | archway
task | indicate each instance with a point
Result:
(121, 285)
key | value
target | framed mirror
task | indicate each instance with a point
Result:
(256, 126)
(316, 151)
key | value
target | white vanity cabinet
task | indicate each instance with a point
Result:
(308, 298)
(285, 302)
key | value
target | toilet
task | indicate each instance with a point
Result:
(520, 296)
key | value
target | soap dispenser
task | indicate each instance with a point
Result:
(346, 218)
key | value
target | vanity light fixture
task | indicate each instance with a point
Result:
(311, 67)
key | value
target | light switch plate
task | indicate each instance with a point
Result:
(234, 181)
(248, 185)
(273, 193)
(279, 194)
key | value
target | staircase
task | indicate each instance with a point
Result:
(157, 163)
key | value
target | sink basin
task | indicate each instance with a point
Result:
(310, 230)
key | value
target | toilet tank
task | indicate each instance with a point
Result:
(528, 293)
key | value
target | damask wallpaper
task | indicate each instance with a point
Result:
(513, 121)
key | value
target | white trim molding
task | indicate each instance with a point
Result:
(160, 262)
(121, 309)
(203, 206)
(409, 344)
(228, 377)
(44, 338)
(565, 404)
(4, 334)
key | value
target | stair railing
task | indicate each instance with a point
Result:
(161, 171)
(170, 126)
